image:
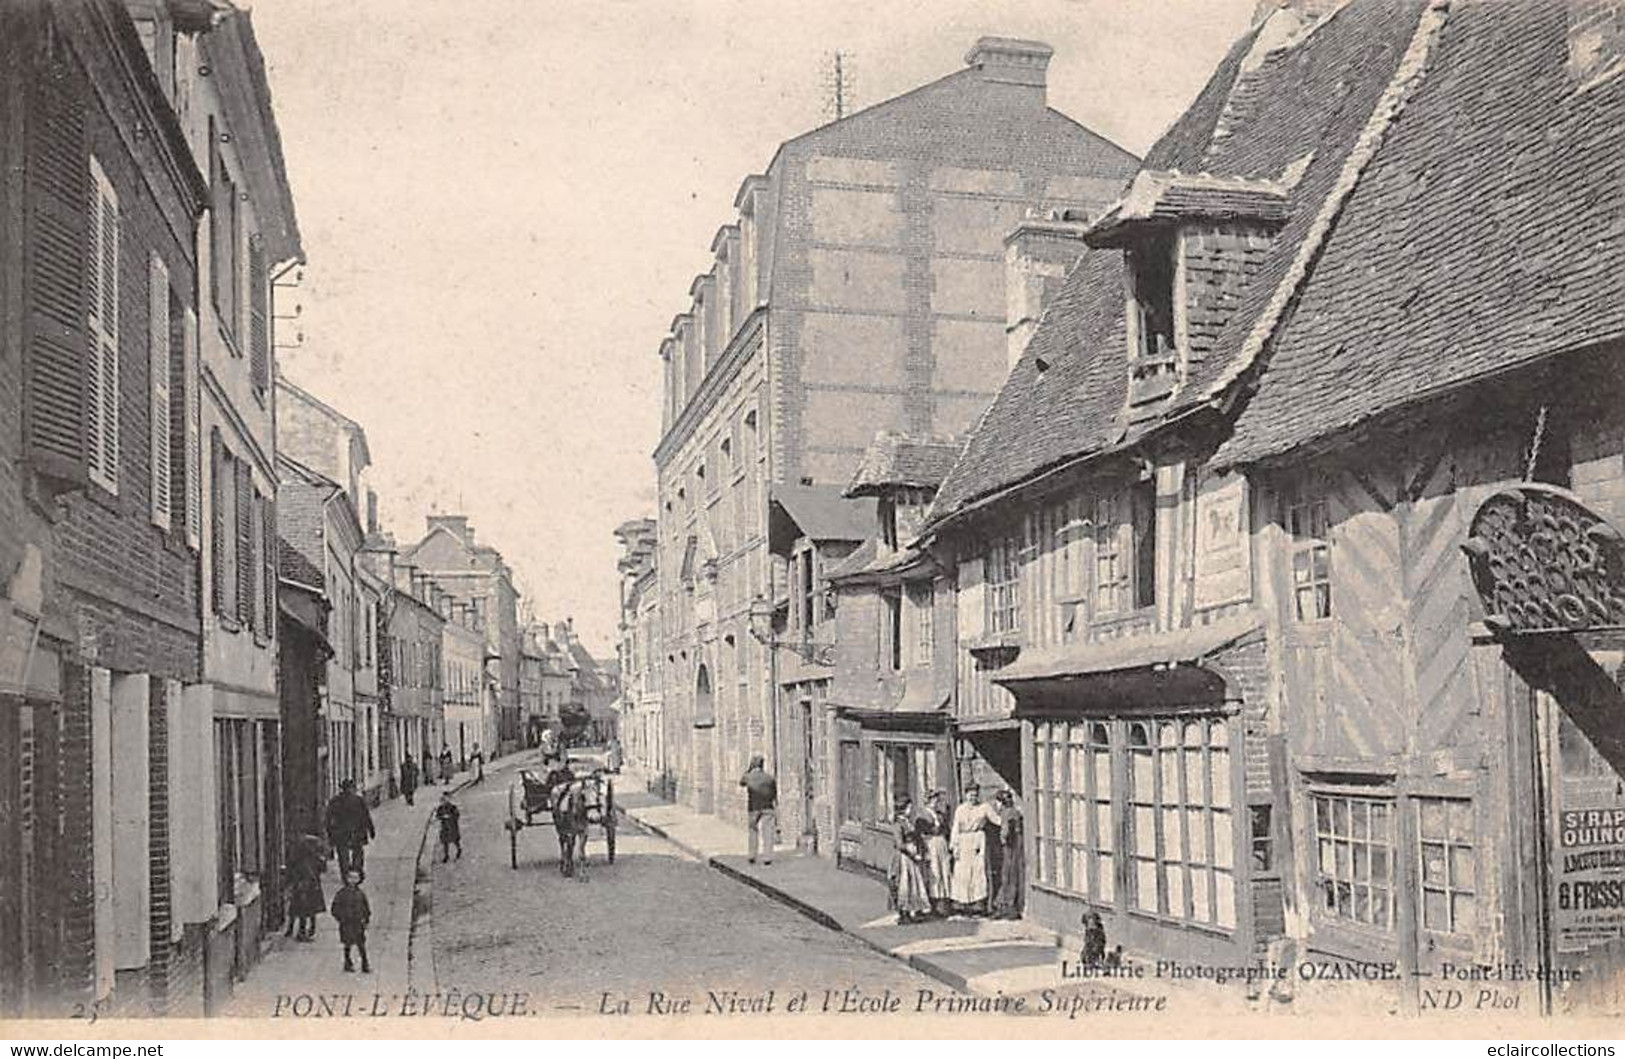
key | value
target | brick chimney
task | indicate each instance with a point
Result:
(1006, 60)
(1037, 256)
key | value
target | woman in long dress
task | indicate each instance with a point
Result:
(908, 890)
(1007, 903)
(934, 827)
(967, 887)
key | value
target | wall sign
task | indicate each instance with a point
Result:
(1544, 562)
(1223, 547)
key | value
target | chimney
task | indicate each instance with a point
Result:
(1009, 61)
(1037, 256)
(457, 524)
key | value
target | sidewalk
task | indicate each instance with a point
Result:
(984, 956)
(289, 968)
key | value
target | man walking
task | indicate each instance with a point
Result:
(409, 777)
(349, 827)
(761, 801)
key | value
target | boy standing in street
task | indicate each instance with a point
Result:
(451, 831)
(350, 908)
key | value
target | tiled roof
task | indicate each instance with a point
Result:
(1488, 232)
(820, 513)
(1168, 196)
(897, 461)
(1291, 116)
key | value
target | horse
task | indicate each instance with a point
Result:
(570, 821)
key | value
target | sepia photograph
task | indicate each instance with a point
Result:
(984, 518)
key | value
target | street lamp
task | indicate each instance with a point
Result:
(761, 629)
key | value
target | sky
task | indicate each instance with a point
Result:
(503, 203)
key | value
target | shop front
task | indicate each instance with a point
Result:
(885, 756)
(1134, 757)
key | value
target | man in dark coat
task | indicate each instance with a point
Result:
(409, 777)
(761, 805)
(349, 827)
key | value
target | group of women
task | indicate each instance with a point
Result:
(942, 865)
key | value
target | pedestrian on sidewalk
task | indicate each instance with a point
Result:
(428, 768)
(478, 758)
(304, 879)
(967, 887)
(349, 827)
(934, 830)
(612, 757)
(409, 778)
(909, 897)
(1008, 899)
(761, 803)
(445, 765)
(351, 909)
(451, 829)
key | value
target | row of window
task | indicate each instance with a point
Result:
(1102, 560)
(416, 662)
(1145, 807)
(243, 536)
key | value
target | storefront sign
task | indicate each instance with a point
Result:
(1223, 554)
(1590, 874)
(1544, 562)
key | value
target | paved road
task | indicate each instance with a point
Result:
(654, 921)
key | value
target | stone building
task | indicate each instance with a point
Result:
(1233, 543)
(465, 716)
(476, 575)
(859, 289)
(640, 722)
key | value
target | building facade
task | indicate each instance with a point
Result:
(1234, 544)
(476, 575)
(858, 290)
(104, 751)
(638, 650)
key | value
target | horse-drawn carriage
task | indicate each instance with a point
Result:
(572, 801)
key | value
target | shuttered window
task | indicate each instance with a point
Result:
(268, 556)
(158, 372)
(103, 366)
(259, 333)
(222, 543)
(243, 561)
(225, 279)
(185, 455)
(55, 410)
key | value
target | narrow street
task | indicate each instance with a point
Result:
(655, 920)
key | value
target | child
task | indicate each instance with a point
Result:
(350, 908)
(451, 833)
(1094, 940)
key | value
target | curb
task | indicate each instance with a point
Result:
(423, 895)
(920, 963)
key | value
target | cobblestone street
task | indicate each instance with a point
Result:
(654, 921)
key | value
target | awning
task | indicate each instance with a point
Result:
(1164, 668)
(922, 708)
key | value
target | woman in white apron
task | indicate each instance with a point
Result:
(934, 829)
(967, 887)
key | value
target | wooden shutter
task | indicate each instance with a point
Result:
(193, 462)
(259, 334)
(56, 415)
(217, 521)
(268, 555)
(159, 367)
(245, 544)
(104, 330)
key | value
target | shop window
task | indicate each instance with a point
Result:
(1072, 798)
(851, 783)
(1448, 867)
(1354, 847)
(893, 782)
(1308, 529)
(1001, 570)
(1180, 820)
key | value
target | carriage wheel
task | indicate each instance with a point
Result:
(513, 844)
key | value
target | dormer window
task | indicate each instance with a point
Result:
(887, 511)
(1151, 266)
